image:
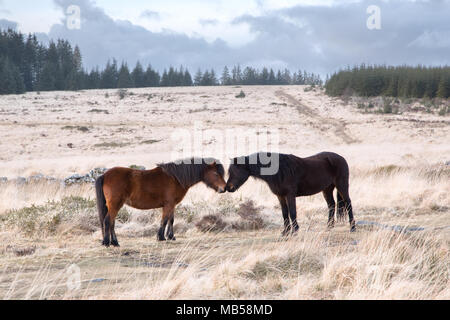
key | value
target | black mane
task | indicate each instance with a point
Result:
(190, 171)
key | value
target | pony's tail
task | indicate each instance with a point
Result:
(101, 201)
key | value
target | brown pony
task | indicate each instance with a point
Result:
(162, 187)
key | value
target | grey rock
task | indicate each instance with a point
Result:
(3, 179)
(36, 177)
(137, 167)
(87, 178)
(21, 180)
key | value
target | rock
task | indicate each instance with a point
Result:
(133, 166)
(97, 172)
(447, 163)
(36, 177)
(87, 178)
(3, 179)
(21, 180)
(76, 178)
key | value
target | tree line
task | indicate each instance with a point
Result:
(399, 81)
(28, 65)
(253, 76)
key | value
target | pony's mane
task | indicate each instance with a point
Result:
(287, 165)
(190, 171)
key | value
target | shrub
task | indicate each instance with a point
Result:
(74, 212)
(122, 93)
(444, 110)
(387, 106)
(251, 220)
(241, 94)
(210, 223)
(137, 167)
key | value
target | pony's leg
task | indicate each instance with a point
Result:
(343, 190)
(107, 230)
(328, 195)
(292, 212)
(285, 212)
(114, 241)
(169, 233)
(109, 234)
(340, 208)
(167, 210)
(109, 223)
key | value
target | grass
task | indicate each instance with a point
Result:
(99, 111)
(150, 141)
(246, 265)
(79, 128)
(110, 145)
(398, 178)
(48, 219)
(213, 258)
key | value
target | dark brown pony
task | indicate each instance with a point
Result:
(298, 177)
(163, 187)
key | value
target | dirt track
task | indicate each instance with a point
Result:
(339, 126)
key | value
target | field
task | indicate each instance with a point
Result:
(50, 238)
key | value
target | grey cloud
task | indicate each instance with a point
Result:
(7, 24)
(101, 38)
(327, 38)
(206, 22)
(317, 38)
(150, 15)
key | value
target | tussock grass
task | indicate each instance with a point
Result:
(229, 246)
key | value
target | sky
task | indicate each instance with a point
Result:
(320, 36)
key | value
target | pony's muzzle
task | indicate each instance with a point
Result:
(221, 190)
(230, 188)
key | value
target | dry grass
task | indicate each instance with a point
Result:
(219, 254)
(228, 246)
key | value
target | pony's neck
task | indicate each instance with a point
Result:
(255, 172)
(194, 182)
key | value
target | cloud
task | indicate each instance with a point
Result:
(153, 15)
(101, 38)
(319, 38)
(326, 38)
(432, 39)
(7, 24)
(206, 22)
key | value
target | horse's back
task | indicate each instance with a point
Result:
(336, 161)
(321, 170)
(141, 189)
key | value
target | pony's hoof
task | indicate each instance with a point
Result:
(173, 238)
(286, 233)
(115, 244)
(105, 243)
(160, 238)
(352, 226)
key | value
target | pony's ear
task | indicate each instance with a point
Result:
(213, 164)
